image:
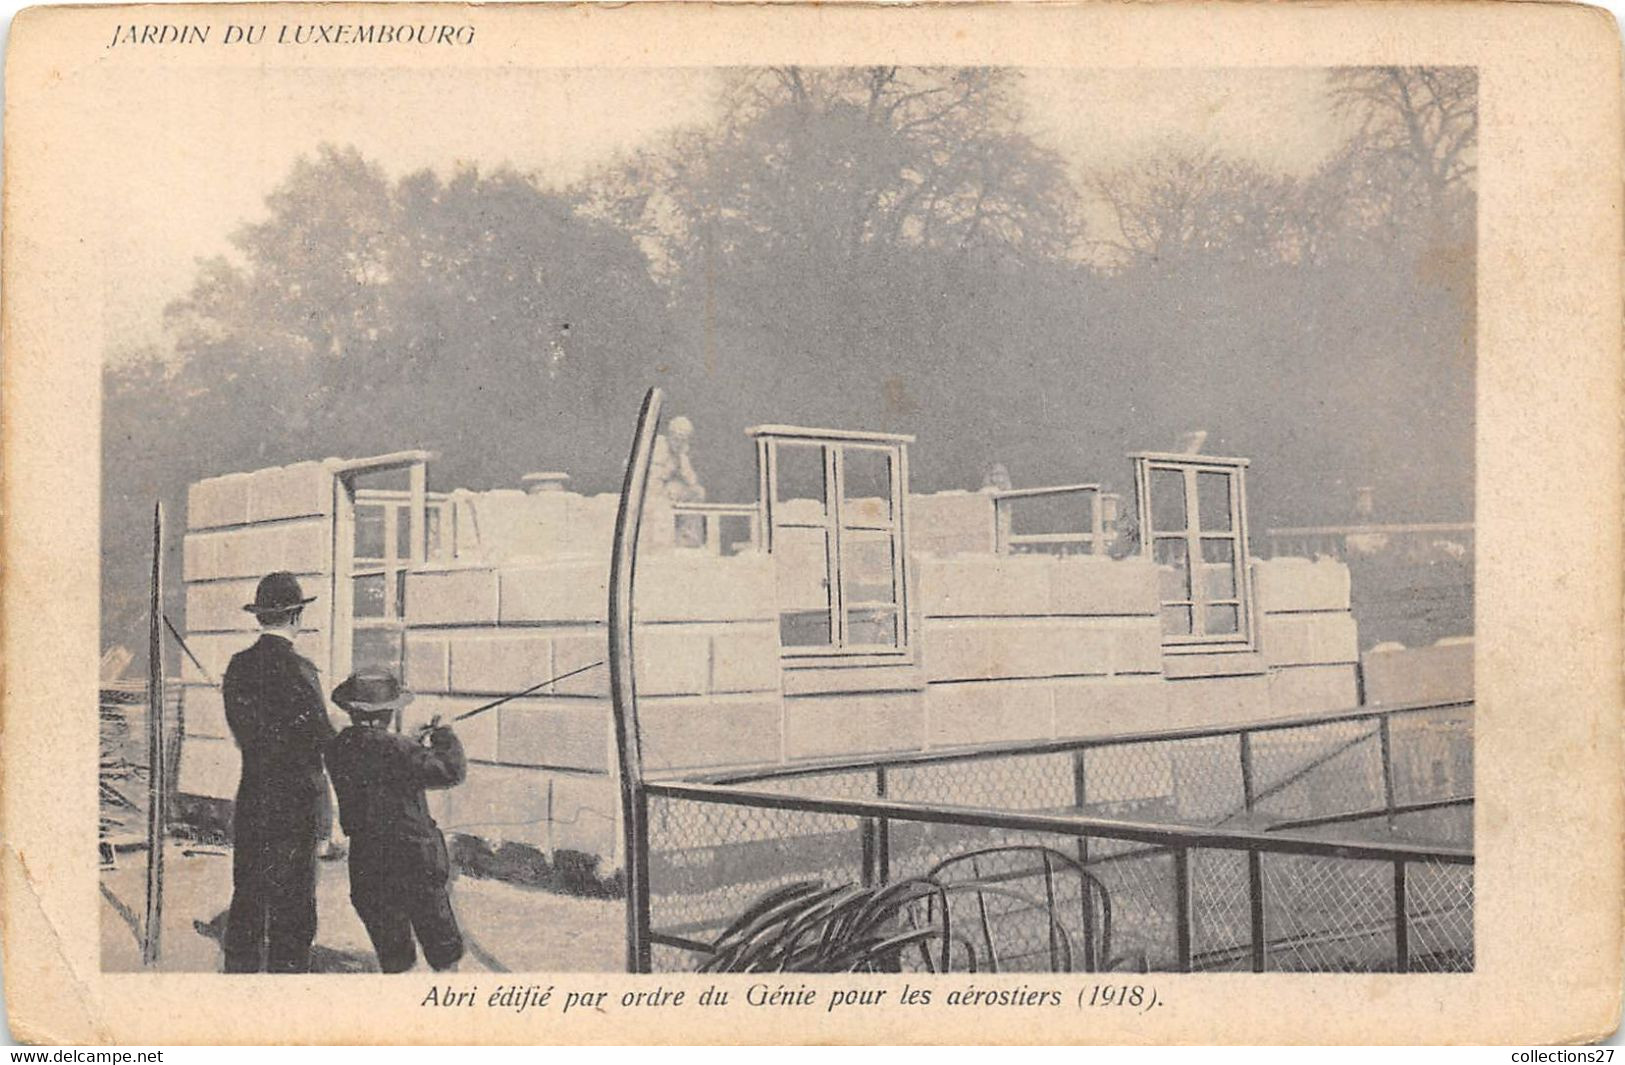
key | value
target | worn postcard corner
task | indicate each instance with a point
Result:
(811, 523)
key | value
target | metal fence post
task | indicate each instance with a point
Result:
(1385, 737)
(1182, 909)
(1402, 930)
(157, 756)
(882, 832)
(1255, 901)
(1247, 787)
(1080, 798)
(623, 684)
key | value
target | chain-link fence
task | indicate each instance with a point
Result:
(1293, 846)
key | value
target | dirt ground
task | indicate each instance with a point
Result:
(508, 928)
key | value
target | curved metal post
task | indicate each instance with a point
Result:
(157, 784)
(623, 685)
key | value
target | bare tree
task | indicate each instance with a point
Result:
(1414, 155)
(1197, 206)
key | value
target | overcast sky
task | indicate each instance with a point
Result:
(197, 157)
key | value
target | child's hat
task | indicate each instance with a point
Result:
(370, 690)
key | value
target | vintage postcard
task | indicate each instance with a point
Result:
(1004, 523)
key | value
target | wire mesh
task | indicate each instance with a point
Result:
(1221, 912)
(1326, 914)
(710, 860)
(1439, 907)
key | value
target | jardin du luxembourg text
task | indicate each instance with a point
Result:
(289, 33)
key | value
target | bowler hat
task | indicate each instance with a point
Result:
(368, 690)
(278, 591)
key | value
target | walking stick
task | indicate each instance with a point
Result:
(519, 695)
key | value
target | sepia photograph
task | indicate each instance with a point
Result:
(1056, 541)
(813, 523)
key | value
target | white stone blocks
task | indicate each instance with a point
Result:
(567, 592)
(301, 547)
(951, 523)
(1286, 584)
(572, 651)
(568, 733)
(1103, 706)
(698, 587)
(290, 492)
(490, 661)
(452, 597)
(1440, 673)
(499, 803)
(1218, 701)
(218, 606)
(428, 662)
(217, 501)
(1102, 586)
(682, 733)
(959, 714)
(209, 768)
(827, 726)
(745, 658)
(1308, 639)
(551, 811)
(992, 586)
(1313, 690)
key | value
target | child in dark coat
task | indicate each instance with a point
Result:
(398, 860)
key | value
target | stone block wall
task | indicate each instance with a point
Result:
(238, 528)
(1003, 649)
(1306, 635)
(542, 766)
(1395, 675)
(1018, 647)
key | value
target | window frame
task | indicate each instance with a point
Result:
(1007, 542)
(1244, 639)
(838, 527)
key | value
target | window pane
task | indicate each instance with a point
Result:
(1168, 500)
(1176, 621)
(804, 628)
(801, 564)
(368, 593)
(1041, 515)
(1219, 569)
(378, 648)
(400, 593)
(866, 559)
(1213, 498)
(369, 531)
(1221, 620)
(1173, 572)
(431, 525)
(871, 627)
(733, 533)
(800, 470)
(866, 486)
(403, 532)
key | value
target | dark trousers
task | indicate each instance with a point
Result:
(399, 891)
(272, 920)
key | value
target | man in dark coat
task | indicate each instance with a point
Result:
(398, 860)
(278, 717)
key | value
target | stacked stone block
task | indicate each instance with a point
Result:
(238, 528)
(707, 667)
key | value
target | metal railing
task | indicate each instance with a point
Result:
(1323, 844)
